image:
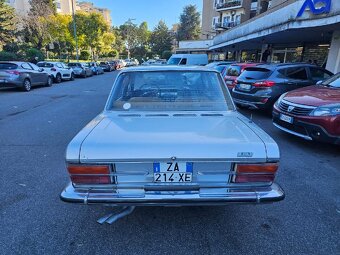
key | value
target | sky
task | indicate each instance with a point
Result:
(151, 11)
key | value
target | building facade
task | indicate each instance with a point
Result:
(65, 6)
(89, 7)
(22, 7)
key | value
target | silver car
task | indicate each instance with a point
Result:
(171, 136)
(81, 69)
(23, 75)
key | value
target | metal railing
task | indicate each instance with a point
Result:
(229, 4)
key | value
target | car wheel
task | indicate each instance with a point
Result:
(72, 77)
(58, 78)
(49, 81)
(97, 72)
(85, 75)
(27, 85)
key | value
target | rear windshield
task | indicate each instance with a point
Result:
(103, 63)
(45, 65)
(174, 61)
(219, 68)
(170, 91)
(8, 66)
(334, 81)
(234, 71)
(255, 73)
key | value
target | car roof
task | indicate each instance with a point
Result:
(245, 64)
(276, 65)
(14, 62)
(168, 68)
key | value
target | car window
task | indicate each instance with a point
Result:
(255, 73)
(319, 74)
(59, 65)
(35, 67)
(296, 73)
(183, 61)
(334, 81)
(170, 91)
(44, 64)
(234, 71)
(8, 66)
(26, 66)
(173, 61)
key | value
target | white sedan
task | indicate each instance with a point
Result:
(171, 136)
(59, 71)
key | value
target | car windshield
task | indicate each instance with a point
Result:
(174, 61)
(170, 91)
(44, 64)
(8, 66)
(255, 73)
(334, 81)
(234, 71)
(74, 64)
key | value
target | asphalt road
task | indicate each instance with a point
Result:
(35, 129)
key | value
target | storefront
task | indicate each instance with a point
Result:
(294, 31)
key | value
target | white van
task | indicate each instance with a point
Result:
(188, 59)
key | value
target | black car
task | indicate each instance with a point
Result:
(260, 86)
(107, 67)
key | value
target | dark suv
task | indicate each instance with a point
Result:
(262, 85)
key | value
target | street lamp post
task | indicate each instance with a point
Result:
(75, 30)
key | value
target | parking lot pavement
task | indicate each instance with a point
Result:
(35, 129)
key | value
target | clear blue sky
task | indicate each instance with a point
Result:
(146, 10)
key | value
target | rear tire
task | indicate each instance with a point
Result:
(27, 85)
(49, 81)
(72, 77)
(58, 78)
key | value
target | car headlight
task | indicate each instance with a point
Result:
(277, 103)
(326, 110)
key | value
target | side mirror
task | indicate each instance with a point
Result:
(319, 83)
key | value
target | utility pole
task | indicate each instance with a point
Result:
(75, 29)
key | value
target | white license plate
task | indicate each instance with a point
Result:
(229, 82)
(286, 118)
(244, 86)
(171, 172)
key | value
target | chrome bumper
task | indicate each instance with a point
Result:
(269, 194)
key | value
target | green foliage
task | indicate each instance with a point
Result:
(166, 54)
(161, 39)
(8, 56)
(190, 24)
(84, 55)
(7, 23)
(31, 53)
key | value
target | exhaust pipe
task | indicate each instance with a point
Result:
(113, 217)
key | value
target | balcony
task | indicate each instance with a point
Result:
(226, 25)
(228, 5)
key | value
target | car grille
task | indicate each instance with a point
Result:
(295, 110)
(292, 127)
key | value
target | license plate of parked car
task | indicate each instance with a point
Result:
(286, 118)
(245, 86)
(173, 172)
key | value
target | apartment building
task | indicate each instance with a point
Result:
(22, 7)
(89, 7)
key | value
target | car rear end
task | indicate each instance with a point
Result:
(11, 75)
(258, 87)
(49, 67)
(78, 69)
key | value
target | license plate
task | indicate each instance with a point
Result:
(244, 86)
(286, 118)
(171, 172)
(229, 82)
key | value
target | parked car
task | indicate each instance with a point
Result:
(204, 153)
(81, 69)
(23, 75)
(107, 67)
(260, 86)
(188, 59)
(59, 71)
(131, 62)
(233, 72)
(149, 62)
(115, 64)
(219, 63)
(312, 113)
(96, 69)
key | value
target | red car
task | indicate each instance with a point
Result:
(230, 74)
(312, 113)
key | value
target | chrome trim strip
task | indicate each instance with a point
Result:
(299, 105)
(293, 133)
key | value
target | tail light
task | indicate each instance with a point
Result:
(89, 174)
(13, 72)
(264, 84)
(255, 172)
(234, 83)
(53, 69)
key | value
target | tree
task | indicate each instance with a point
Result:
(7, 23)
(189, 27)
(129, 33)
(161, 39)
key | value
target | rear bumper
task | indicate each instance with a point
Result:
(270, 194)
(255, 101)
(11, 84)
(305, 130)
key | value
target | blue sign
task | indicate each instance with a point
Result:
(311, 4)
